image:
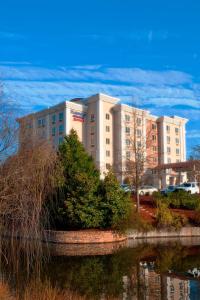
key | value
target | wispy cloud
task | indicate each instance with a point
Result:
(193, 134)
(147, 35)
(169, 92)
(135, 86)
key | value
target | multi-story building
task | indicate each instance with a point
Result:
(111, 132)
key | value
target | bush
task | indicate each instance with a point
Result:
(115, 204)
(83, 201)
(77, 204)
(168, 220)
(179, 199)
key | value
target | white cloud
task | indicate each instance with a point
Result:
(193, 134)
(32, 85)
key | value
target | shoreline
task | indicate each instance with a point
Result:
(108, 236)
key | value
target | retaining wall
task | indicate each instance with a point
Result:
(83, 236)
(183, 232)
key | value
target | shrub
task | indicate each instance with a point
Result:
(115, 204)
(77, 205)
(168, 220)
(179, 199)
(83, 201)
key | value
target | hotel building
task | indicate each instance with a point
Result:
(108, 129)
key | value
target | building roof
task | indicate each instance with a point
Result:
(179, 165)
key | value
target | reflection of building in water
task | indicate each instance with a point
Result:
(177, 288)
(155, 286)
(150, 282)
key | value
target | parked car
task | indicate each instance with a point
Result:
(147, 190)
(190, 187)
(126, 188)
(168, 190)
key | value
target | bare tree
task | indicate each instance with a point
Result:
(8, 127)
(26, 178)
(141, 150)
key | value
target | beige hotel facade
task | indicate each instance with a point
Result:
(106, 127)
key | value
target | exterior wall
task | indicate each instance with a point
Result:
(172, 136)
(100, 122)
(84, 236)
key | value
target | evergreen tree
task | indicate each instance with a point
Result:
(78, 200)
(115, 203)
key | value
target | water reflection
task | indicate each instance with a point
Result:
(155, 270)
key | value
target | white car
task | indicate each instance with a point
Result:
(147, 190)
(190, 187)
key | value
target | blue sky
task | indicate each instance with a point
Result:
(145, 52)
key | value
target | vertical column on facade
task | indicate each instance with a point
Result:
(67, 115)
(183, 143)
(100, 136)
(144, 131)
(122, 153)
(164, 142)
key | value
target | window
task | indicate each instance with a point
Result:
(168, 128)
(128, 154)
(92, 118)
(153, 126)
(28, 125)
(107, 128)
(168, 150)
(127, 118)
(154, 137)
(92, 129)
(128, 142)
(155, 159)
(107, 117)
(107, 141)
(139, 132)
(61, 129)
(168, 139)
(154, 148)
(60, 140)
(176, 130)
(169, 160)
(177, 141)
(92, 141)
(41, 122)
(127, 130)
(107, 153)
(139, 144)
(177, 160)
(177, 151)
(139, 121)
(53, 119)
(53, 132)
(108, 166)
(61, 116)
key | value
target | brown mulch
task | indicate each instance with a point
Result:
(148, 211)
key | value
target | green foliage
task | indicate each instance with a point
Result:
(83, 201)
(180, 199)
(78, 202)
(168, 220)
(115, 203)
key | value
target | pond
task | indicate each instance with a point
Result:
(153, 269)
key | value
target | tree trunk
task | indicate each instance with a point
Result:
(138, 200)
